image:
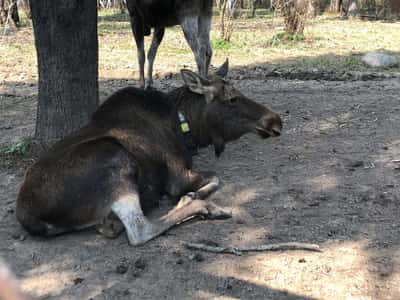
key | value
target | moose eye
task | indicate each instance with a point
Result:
(233, 100)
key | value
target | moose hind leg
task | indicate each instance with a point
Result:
(190, 28)
(138, 228)
(205, 50)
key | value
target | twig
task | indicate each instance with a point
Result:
(239, 251)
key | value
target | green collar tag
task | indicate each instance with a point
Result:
(187, 137)
(183, 123)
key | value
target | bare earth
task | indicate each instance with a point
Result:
(330, 179)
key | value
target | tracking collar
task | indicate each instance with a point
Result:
(187, 135)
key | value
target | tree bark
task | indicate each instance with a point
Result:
(67, 53)
(3, 12)
(253, 4)
(14, 13)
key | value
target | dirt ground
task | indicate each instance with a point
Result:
(330, 179)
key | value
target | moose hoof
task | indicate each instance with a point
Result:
(192, 195)
(149, 85)
(185, 200)
(213, 211)
(110, 228)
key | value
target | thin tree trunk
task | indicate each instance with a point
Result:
(14, 12)
(121, 6)
(253, 7)
(3, 12)
(222, 18)
(28, 9)
(67, 52)
(334, 6)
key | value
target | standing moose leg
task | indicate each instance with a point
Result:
(138, 33)
(151, 55)
(205, 51)
(194, 18)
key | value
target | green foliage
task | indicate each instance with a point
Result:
(112, 15)
(352, 62)
(220, 44)
(286, 38)
(20, 149)
(264, 12)
(18, 154)
(326, 63)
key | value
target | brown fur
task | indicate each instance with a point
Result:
(134, 146)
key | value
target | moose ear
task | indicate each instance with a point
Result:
(198, 84)
(223, 70)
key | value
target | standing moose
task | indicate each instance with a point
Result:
(194, 17)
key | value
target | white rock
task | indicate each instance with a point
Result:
(379, 59)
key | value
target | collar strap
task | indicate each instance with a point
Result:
(187, 136)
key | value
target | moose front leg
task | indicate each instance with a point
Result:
(191, 183)
(137, 29)
(204, 186)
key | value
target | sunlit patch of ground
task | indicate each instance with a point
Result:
(342, 271)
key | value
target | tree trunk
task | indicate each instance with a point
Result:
(352, 11)
(253, 4)
(334, 6)
(3, 12)
(219, 4)
(67, 52)
(122, 6)
(14, 13)
(26, 7)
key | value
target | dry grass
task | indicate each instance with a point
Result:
(328, 44)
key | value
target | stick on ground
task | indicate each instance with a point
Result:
(240, 251)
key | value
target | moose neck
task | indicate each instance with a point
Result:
(192, 106)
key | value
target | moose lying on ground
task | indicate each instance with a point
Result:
(133, 152)
(194, 17)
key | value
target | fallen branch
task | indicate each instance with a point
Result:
(240, 251)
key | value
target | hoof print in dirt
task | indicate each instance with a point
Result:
(78, 280)
(121, 269)
(123, 266)
(227, 284)
(140, 264)
(198, 257)
(208, 243)
(18, 236)
(356, 164)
